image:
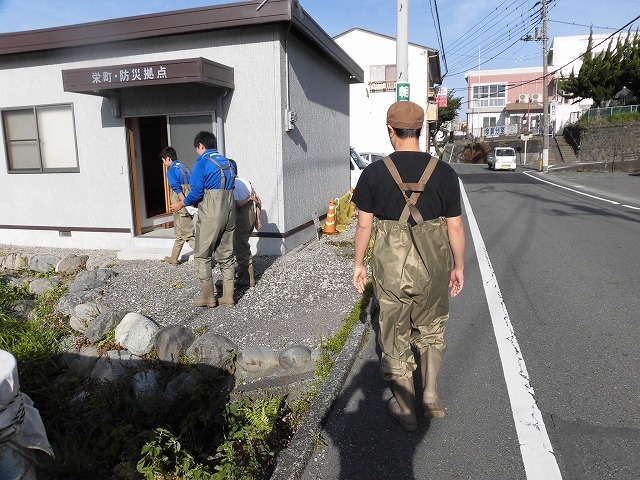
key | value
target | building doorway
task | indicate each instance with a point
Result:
(147, 137)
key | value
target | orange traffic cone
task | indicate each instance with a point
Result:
(330, 222)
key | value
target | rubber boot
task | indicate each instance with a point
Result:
(252, 278)
(242, 279)
(402, 404)
(175, 255)
(430, 362)
(227, 294)
(208, 297)
(245, 277)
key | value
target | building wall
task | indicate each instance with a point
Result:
(316, 152)
(99, 196)
(368, 110)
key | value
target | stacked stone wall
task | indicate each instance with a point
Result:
(614, 142)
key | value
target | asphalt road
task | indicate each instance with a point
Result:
(540, 380)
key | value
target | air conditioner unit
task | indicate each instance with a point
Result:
(523, 98)
(536, 97)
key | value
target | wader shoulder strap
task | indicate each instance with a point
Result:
(223, 179)
(417, 188)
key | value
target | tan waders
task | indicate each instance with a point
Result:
(214, 235)
(411, 271)
(402, 404)
(208, 297)
(183, 228)
(174, 259)
(227, 294)
(430, 362)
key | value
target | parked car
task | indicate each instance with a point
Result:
(358, 164)
(503, 158)
(372, 156)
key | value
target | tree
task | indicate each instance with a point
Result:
(602, 76)
(630, 64)
(447, 113)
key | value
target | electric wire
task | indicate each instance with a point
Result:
(553, 72)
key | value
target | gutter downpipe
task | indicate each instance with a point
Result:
(219, 122)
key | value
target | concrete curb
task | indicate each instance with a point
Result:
(292, 461)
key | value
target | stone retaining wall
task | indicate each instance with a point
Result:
(611, 143)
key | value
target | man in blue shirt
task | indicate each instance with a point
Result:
(212, 181)
(178, 179)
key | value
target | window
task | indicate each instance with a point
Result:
(490, 95)
(382, 78)
(489, 122)
(40, 139)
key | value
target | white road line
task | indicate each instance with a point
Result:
(535, 447)
(631, 206)
(571, 189)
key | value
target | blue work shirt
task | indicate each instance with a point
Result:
(206, 175)
(177, 175)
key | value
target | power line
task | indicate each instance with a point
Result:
(527, 24)
(519, 84)
(582, 25)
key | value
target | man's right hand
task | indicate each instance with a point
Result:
(360, 277)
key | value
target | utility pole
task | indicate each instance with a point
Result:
(545, 92)
(402, 50)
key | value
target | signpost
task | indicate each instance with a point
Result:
(402, 92)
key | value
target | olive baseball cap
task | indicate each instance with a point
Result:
(406, 115)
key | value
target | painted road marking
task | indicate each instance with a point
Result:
(631, 206)
(571, 189)
(535, 447)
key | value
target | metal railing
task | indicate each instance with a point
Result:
(571, 140)
(599, 113)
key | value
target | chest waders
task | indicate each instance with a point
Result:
(214, 234)
(182, 222)
(411, 268)
(185, 185)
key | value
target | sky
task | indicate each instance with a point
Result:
(471, 30)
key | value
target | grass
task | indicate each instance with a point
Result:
(101, 430)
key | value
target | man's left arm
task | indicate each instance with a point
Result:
(455, 230)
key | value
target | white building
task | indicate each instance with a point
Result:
(369, 101)
(565, 56)
(512, 98)
(86, 109)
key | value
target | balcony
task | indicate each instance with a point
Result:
(384, 86)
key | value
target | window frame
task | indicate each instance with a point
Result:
(34, 110)
(482, 95)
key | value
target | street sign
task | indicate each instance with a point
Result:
(441, 98)
(402, 92)
(553, 106)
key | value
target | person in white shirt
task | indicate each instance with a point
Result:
(248, 208)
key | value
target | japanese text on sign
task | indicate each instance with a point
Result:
(129, 75)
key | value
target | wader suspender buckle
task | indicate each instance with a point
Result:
(223, 179)
(416, 188)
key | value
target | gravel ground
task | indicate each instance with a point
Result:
(300, 298)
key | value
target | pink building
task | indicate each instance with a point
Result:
(505, 102)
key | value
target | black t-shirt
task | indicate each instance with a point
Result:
(378, 193)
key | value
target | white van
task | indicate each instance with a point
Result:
(503, 158)
(358, 164)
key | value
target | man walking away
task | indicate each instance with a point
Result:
(248, 208)
(212, 181)
(412, 200)
(178, 178)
